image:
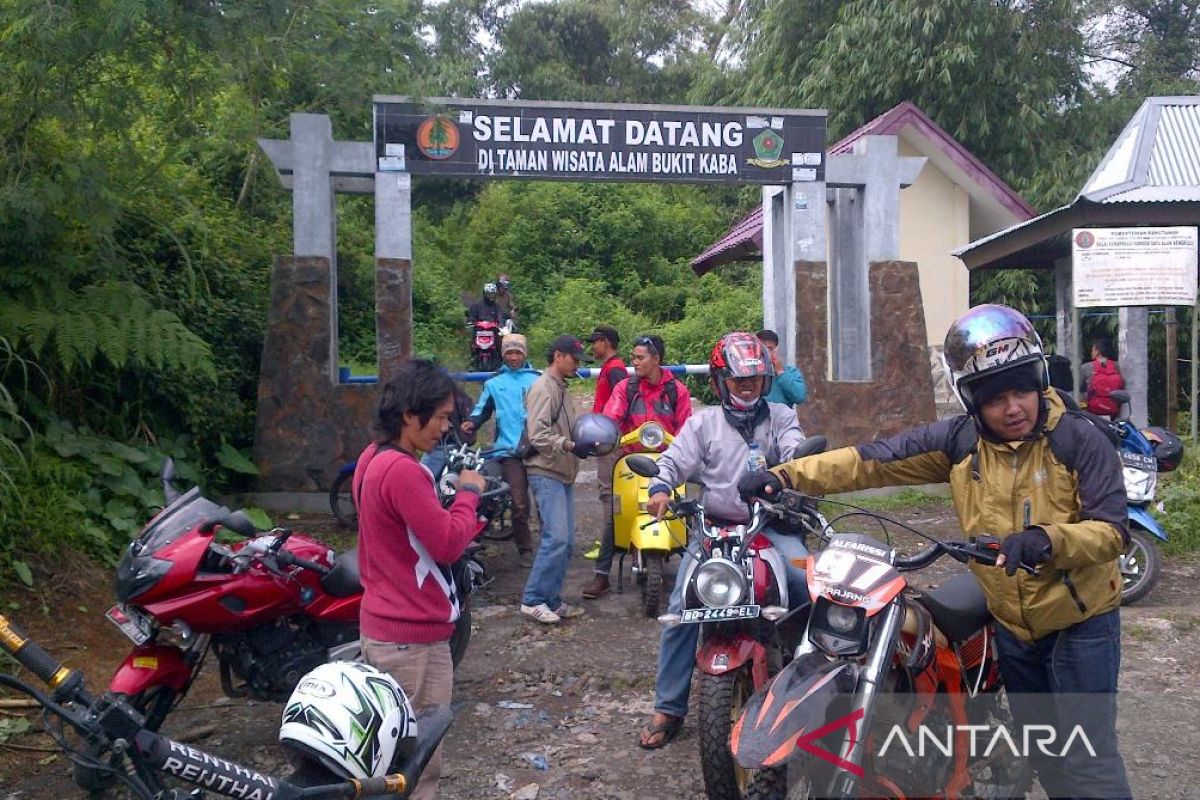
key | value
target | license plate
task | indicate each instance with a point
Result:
(1139, 461)
(133, 623)
(719, 614)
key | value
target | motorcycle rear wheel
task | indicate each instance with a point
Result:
(722, 698)
(652, 567)
(341, 501)
(1141, 566)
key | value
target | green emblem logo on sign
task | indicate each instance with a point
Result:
(768, 146)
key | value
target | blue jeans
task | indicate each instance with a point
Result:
(556, 507)
(435, 459)
(1044, 680)
(677, 644)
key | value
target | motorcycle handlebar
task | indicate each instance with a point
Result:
(31, 656)
(921, 559)
(500, 488)
(109, 721)
(288, 559)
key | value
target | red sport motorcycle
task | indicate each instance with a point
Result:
(485, 344)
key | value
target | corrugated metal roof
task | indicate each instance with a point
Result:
(1155, 159)
(1175, 159)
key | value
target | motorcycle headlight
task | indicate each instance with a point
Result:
(720, 583)
(136, 574)
(838, 630)
(652, 436)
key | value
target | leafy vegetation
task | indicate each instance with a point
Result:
(1179, 494)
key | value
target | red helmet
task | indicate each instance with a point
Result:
(739, 355)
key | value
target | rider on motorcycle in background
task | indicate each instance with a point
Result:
(651, 393)
(505, 299)
(486, 308)
(716, 447)
(1048, 483)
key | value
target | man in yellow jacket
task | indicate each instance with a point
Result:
(1048, 483)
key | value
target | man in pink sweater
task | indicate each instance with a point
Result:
(407, 542)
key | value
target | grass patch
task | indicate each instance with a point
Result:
(903, 499)
(1179, 493)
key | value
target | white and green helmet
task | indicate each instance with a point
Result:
(349, 716)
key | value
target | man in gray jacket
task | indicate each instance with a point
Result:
(715, 448)
(552, 466)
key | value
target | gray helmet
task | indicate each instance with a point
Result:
(986, 341)
(489, 290)
(598, 431)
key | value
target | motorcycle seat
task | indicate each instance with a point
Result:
(342, 580)
(958, 606)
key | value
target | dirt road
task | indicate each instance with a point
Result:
(560, 707)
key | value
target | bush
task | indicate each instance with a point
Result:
(1179, 494)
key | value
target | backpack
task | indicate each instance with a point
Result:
(670, 395)
(1106, 378)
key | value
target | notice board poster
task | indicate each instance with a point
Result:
(599, 142)
(1134, 266)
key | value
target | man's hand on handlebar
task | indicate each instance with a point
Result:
(657, 504)
(756, 485)
(470, 479)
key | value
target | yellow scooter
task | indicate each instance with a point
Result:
(635, 532)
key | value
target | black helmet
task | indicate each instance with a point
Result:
(598, 431)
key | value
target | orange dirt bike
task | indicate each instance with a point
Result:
(881, 660)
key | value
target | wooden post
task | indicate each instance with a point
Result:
(1172, 368)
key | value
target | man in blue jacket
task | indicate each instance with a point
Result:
(504, 394)
(788, 386)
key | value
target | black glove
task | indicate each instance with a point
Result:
(582, 449)
(1030, 546)
(759, 484)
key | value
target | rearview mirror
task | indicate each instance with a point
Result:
(643, 465)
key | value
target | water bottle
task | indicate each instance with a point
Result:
(756, 461)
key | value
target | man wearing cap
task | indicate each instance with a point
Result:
(549, 415)
(788, 386)
(650, 394)
(504, 394)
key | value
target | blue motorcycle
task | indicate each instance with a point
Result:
(1142, 460)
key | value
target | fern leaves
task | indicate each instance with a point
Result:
(114, 321)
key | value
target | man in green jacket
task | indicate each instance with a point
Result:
(1049, 484)
(788, 386)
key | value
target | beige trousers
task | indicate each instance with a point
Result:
(426, 674)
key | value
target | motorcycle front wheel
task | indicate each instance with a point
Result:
(461, 636)
(154, 704)
(652, 566)
(722, 698)
(1141, 566)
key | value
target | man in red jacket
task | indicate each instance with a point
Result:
(651, 393)
(407, 542)
(605, 342)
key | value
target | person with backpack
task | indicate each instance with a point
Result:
(651, 393)
(1101, 377)
(1047, 482)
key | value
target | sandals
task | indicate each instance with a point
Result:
(668, 729)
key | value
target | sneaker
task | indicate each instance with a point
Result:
(567, 611)
(541, 613)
